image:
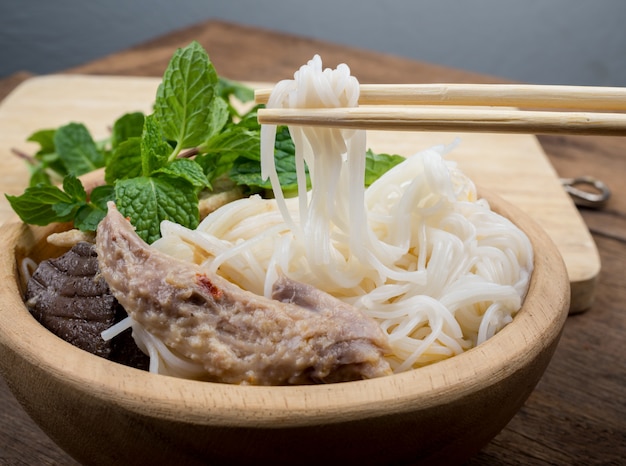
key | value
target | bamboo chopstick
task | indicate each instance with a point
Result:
(449, 119)
(477, 108)
(507, 95)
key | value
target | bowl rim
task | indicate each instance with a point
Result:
(534, 328)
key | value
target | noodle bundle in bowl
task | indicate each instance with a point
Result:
(470, 294)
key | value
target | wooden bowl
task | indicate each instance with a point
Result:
(104, 413)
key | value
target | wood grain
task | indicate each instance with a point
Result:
(577, 413)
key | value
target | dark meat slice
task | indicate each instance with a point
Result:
(68, 297)
(238, 336)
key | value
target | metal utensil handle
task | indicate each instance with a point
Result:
(596, 198)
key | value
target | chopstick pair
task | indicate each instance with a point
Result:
(468, 108)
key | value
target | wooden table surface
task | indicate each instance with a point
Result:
(577, 413)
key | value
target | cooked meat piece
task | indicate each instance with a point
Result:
(68, 297)
(236, 335)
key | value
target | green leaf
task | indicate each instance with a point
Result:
(231, 89)
(46, 161)
(250, 120)
(220, 152)
(53, 161)
(52, 166)
(77, 149)
(45, 139)
(377, 164)
(38, 175)
(65, 210)
(247, 172)
(284, 145)
(219, 117)
(187, 169)
(74, 188)
(183, 99)
(44, 204)
(88, 216)
(100, 195)
(129, 125)
(36, 205)
(241, 92)
(155, 150)
(147, 201)
(125, 161)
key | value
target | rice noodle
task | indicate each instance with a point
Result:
(417, 251)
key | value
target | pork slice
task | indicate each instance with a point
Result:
(303, 336)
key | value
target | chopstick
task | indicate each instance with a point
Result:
(420, 110)
(450, 119)
(507, 95)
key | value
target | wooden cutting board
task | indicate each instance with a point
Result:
(513, 166)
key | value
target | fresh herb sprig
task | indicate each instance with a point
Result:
(157, 164)
(144, 173)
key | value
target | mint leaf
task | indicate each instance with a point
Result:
(48, 160)
(377, 164)
(246, 172)
(77, 149)
(241, 92)
(227, 89)
(74, 188)
(127, 126)
(125, 161)
(147, 201)
(36, 205)
(88, 216)
(220, 152)
(188, 170)
(44, 204)
(250, 120)
(219, 117)
(246, 169)
(183, 99)
(155, 151)
(45, 139)
(284, 145)
(101, 195)
(38, 175)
